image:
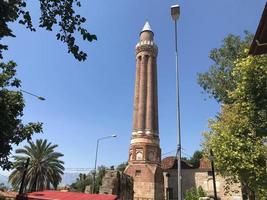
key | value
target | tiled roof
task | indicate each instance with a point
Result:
(56, 195)
(204, 164)
(8, 194)
(171, 163)
(259, 43)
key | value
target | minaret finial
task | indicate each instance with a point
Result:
(146, 27)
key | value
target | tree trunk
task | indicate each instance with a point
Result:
(247, 192)
(252, 195)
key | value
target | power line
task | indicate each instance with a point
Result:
(183, 152)
(78, 169)
(168, 152)
(174, 150)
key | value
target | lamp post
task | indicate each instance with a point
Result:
(175, 13)
(97, 143)
(38, 97)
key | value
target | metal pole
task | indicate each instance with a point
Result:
(95, 166)
(213, 175)
(97, 143)
(179, 186)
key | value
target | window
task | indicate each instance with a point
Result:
(138, 172)
(170, 193)
(131, 155)
(151, 156)
(139, 154)
(209, 173)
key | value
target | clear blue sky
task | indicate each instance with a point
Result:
(91, 99)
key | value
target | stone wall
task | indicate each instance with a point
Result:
(117, 183)
(170, 183)
(148, 181)
(198, 177)
(204, 179)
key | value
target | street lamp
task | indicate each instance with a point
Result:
(175, 13)
(97, 143)
(38, 97)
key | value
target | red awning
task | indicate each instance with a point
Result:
(56, 195)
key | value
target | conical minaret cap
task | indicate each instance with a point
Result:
(147, 27)
(146, 32)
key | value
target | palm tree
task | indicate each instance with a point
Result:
(44, 170)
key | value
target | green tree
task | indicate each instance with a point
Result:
(195, 193)
(218, 80)
(121, 167)
(44, 170)
(99, 176)
(58, 15)
(236, 136)
(3, 187)
(250, 94)
(81, 182)
(195, 159)
(87, 180)
(12, 130)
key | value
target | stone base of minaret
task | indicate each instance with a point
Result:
(148, 181)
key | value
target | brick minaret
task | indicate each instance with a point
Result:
(145, 153)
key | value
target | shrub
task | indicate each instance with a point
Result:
(194, 193)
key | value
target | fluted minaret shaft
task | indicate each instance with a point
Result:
(150, 96)
(144, 164)
(155, 88)
(142, 94)
(136, 95)
(145, 117)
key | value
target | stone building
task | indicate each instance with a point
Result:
(144, 163)
(117, 183)
(195, 177)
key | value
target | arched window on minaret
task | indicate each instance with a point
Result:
(151, 156)
(131, 155)
(139, 154)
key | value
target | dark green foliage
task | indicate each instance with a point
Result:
(86, 180)
(12, 130)
(195, 193)
(82, 182)
(99, 176)
(121, 167)
(195, 159)
(58, 13)
(3, 187)
(218, 80)
(237, 134)
(44, 170)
